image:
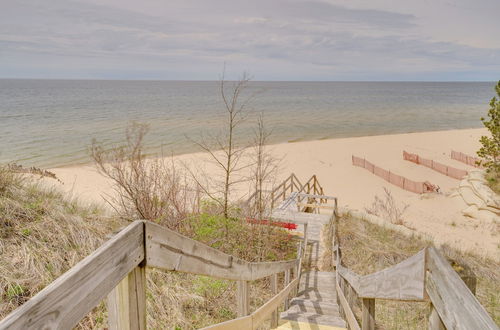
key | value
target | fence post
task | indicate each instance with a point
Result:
(435, 322)
(127, 302)
(274, 290)
(368, 316)
(243, 297)
(287, 281)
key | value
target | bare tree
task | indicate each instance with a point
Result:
(151, 189)
(264, 166)
(223, 148)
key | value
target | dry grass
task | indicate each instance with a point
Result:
(186, 301)
(43, 235)
(368, 248)
(387, 208)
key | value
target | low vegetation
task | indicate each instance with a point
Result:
(386, 207)
(368, 248)
(43, 234)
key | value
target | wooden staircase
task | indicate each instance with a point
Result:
(315, 305)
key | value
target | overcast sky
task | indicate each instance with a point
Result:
(272, 39)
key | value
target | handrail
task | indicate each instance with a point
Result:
(454, 302)
(293, 185)
(64, 302)
(254, 320)
(116, 270)
(169, 250)
(426, 276)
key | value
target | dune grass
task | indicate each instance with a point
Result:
(43, 234)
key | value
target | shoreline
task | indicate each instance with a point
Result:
(438, 215)
(300, 140)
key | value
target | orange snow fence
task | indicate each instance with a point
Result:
(436, 166)
(397, 180)
(461, 157)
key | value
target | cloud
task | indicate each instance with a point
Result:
(280, 39)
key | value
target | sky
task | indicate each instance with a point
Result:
(332, 40)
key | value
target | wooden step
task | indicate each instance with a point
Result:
(314, 306)
(294, 314)
(316, 295)
(294, 325)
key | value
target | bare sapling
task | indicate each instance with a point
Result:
(223, 148)
(152, 189)
(387, 208)
(264, 167)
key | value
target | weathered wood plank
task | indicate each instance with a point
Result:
(435, 322)
(254, 320)
(315, 196)
(404, 281)
(317, 206)
(63, 303)
(169, 250)
(454, 302)
(263, 312)
(274, 289)
(287, 282)
(263, 269)
(349, 315)
(127, 302)
(368, 314)
(243, 298)
(351, 277)
(241, 323)
(300, 217)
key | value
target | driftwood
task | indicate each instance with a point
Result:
(17, 168)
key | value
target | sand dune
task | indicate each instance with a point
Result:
(436, 215)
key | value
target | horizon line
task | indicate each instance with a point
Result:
(215, 80)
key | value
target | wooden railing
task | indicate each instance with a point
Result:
(290, 185)
(426, 276)
(116, 271)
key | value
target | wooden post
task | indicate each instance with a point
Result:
(341, 285)
(127, 302)
(287, 281)
(368, 316)
(243, 298)
(435, 322)
(274, 290)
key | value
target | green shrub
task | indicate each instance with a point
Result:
(490, 150)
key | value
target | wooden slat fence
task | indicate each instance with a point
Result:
(450, 171)
(397, 180)
(464, 158)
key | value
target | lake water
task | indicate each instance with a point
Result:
(51, 123)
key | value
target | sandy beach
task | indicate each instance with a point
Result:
(436, 215)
